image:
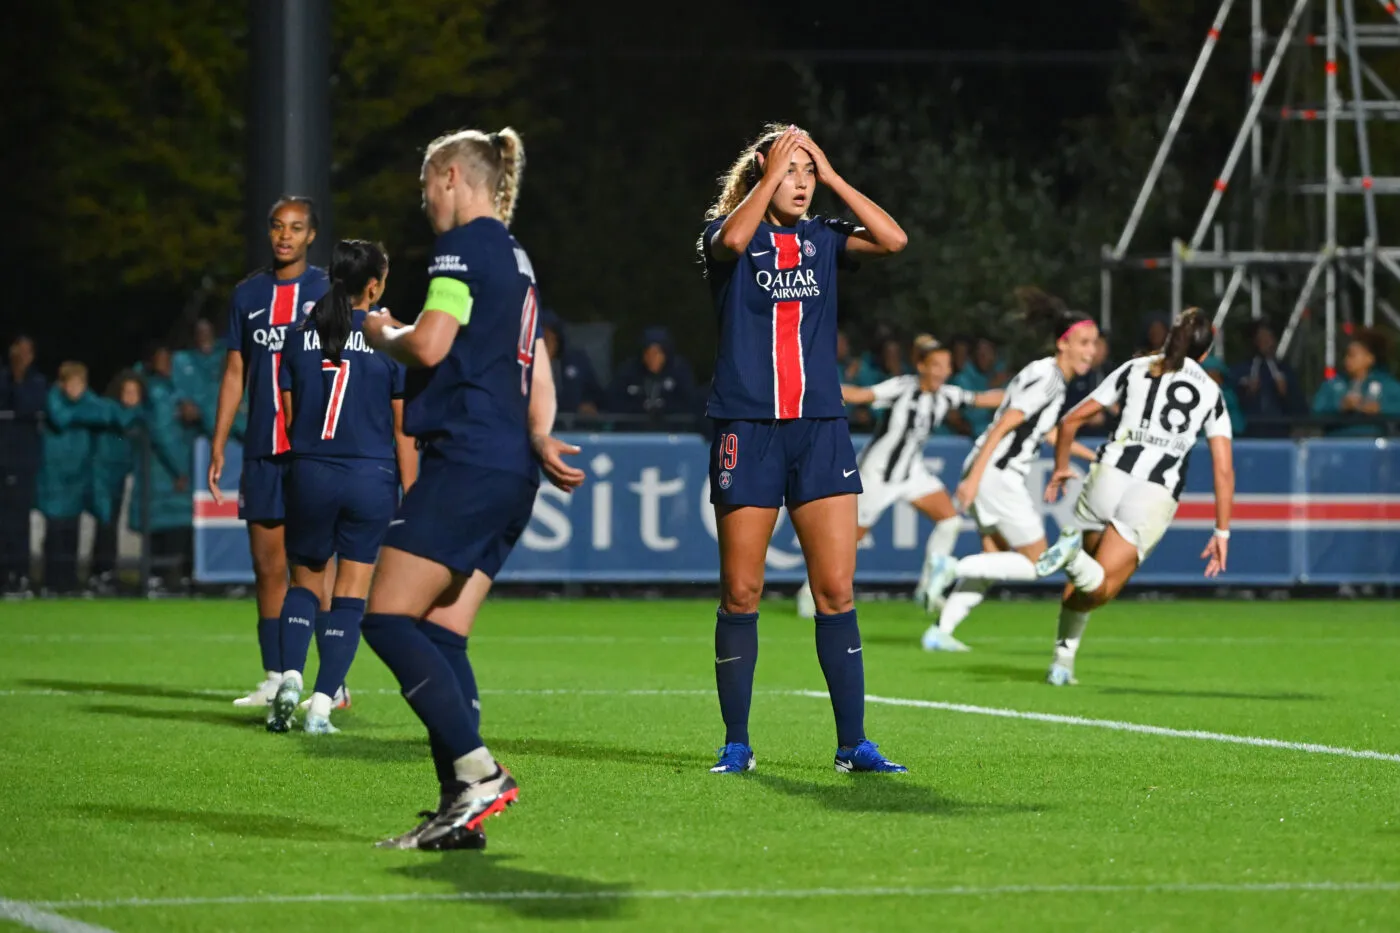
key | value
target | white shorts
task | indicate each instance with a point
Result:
(879, 496)
(1140, 510)
(1004, 506)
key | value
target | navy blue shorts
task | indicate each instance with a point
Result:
(260, 493)
(339, 507)
(462, 516)
(772, 463)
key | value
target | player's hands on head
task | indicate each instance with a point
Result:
(825, 173)
(1215, 553)
(1056, 484)
(550, 451)
(775, 164)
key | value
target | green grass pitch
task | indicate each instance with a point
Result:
(134, 797)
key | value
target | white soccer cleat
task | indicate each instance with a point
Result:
(342, 699)
(1060, 553)
(1061, 675)
(282, 713)
(319, 725)
(806, 605)
(942, 574)
(937, 640)
(264, 692)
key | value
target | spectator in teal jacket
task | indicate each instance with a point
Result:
(113, 461)
(172, 425)
(984, 372)
(1364, 389)
(72, 413)
(197, 373)
(1215, 367)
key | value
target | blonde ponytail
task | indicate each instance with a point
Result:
(496, 160)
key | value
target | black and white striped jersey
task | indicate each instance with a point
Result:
(1038, 391)
(1162, 418)
(898, 445)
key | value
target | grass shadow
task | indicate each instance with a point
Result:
(258, 825)
(1206, 694)
(899, 641)
(1000, 673)
(401, 749)
(129, 690)
(536, 895)
(884, 794)
(206, 716)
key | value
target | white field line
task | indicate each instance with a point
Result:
(1114, 725)
(623, 894)
(32, 917)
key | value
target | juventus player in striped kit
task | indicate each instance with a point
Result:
(781, 435)
(892, 464)
(993, 488)
(1168, 401)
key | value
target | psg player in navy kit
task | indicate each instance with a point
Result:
(265, 305)
(481, 410)
(343, 402)
(781, 435)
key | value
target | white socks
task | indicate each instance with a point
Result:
(320, 706)
(976, 574)
(474, 766)
(1072, 625)
(965, 597)
(1085, 573)
(943, 538)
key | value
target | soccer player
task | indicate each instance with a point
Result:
(344, 407)
(993, 488)
(892, 464)
(264, 306)
(481, 411)
(1129, 500)
(781, 434)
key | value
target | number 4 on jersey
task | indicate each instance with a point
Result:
(336, 398)
(525, 348)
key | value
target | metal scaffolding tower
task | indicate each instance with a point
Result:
(1353, 262)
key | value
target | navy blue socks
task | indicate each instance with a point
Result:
(426, 680)
(840, 655)
(337, 638)
(270, 643)
(453, 648)
(298, 625)
(736, 656)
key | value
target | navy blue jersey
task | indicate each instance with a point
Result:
(473, 406)
(264, 307)
(776, 305)
(340, 410)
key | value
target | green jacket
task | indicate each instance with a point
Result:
(196, 377)
(65, 479)
(1377, 384)
(113, 458)
(171, 460)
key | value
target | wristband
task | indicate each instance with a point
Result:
(1223, 534)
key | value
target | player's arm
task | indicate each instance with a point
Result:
(857, 395)
(405, 449)
(287, 407)
(989, 399)
(230, 397)
(544, 405)
(1008, 422)
(878, 234)
(427, 341)
(733, 236)
(1223, 467)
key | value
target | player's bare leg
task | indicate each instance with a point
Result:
(806, 604)
(744, 533)
(266, 540)
(826, 529)
(940, 567)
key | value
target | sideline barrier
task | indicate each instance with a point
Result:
(1306, 512)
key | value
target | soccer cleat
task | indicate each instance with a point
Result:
(319, 725)
(1061, 675)
(473, 804)
(865, 757)
(457, 839)
(341, 699)
(937, 640)
(282, 714)
(734, 758)
(1060, 553)
(263, 693)
(942, 572)
(806, 604)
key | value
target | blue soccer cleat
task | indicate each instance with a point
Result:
(1060, 553)
(865, 757)
(734, 758)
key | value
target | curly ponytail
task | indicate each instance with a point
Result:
(1190, 337)
(1046, 313)
(496, 160)
(741, 176)
(511, 154)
